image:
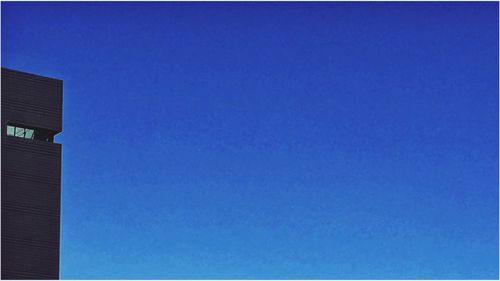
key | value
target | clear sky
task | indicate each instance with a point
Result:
(271, 140)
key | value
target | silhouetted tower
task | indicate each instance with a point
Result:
(31, 175)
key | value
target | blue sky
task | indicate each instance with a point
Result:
(271, 140)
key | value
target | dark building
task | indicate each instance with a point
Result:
(31, 175)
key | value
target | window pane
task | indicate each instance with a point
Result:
(26, 133)
(10, 130)
(29, 134)
(19, 132)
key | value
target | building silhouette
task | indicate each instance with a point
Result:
(31, 115)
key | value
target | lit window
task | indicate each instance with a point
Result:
(20, 132)
(29, 134)
(10, 130)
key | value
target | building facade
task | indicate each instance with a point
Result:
(31, 115)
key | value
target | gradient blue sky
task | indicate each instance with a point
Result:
(271, 140)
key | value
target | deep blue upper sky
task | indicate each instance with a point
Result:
(271, 140)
